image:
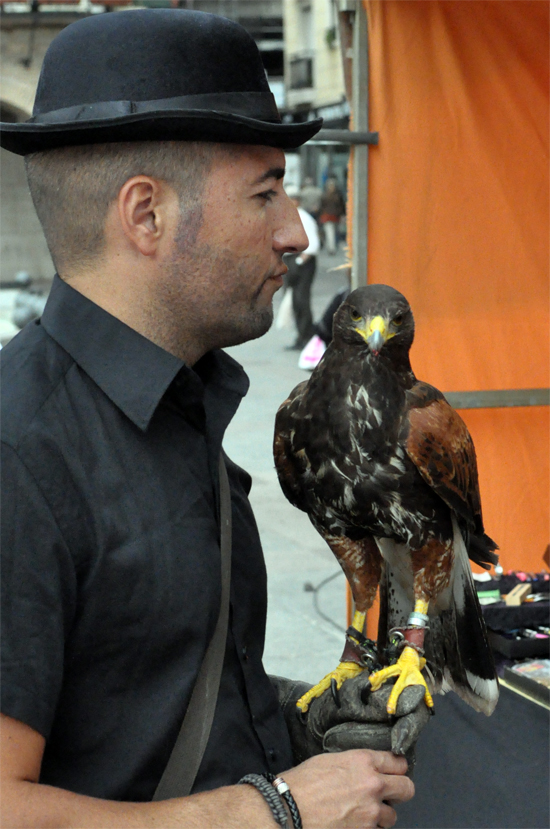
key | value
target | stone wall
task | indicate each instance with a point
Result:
(22, 50)
(22, 243)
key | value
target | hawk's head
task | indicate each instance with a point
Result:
(376, 316)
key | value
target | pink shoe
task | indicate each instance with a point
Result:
(312, 353)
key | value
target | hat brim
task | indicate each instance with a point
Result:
(188, 125)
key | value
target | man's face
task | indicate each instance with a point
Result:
(228, 261)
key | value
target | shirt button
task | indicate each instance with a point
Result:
(272, 754)
(244, 652)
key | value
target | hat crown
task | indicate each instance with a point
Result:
(153, 75)
(148, 54)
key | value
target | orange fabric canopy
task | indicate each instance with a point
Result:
(458, 221)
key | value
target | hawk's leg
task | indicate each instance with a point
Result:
(408, 667)
(361, 562)
(431, 566)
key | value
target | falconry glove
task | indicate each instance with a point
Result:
(360, 721)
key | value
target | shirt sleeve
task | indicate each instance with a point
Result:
(38, 598)
(312, 233)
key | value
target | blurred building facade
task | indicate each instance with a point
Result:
(314, 82)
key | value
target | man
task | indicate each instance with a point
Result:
(311, 196)
(301, 273)
(154, 163)
(332, 209)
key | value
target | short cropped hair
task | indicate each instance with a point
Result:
(73, 187)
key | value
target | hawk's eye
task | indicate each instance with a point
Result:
(398, 319)
(355, 315)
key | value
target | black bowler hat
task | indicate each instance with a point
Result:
(153, 75)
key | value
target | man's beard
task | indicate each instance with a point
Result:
(249, 326)
(233, 317)
(239, 318)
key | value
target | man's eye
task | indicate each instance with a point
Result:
(267, 195)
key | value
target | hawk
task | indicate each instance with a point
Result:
(386, 471)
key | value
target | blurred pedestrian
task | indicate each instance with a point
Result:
(301, 273)
(333, 208)
(323, 328)
(313, 352)
(310, 197)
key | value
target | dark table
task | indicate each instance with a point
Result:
(478, 772)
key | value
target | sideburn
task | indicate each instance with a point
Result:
(190, 223)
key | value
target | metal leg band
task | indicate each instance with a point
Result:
(417, 619)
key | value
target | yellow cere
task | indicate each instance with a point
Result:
(376, 324)
(379, 324)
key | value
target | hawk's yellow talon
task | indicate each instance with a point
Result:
(407, 670)
(345, 670)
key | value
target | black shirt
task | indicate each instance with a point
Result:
(111, 559)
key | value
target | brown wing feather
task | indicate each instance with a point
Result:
(289, 464)
(439, 444)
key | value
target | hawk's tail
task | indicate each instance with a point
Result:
(457, 650)
(481, 549)
(460, 631)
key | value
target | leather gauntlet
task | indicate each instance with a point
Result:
(361, 720)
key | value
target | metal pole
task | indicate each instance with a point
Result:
(360, 108)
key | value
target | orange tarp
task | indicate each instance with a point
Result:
(459, 222)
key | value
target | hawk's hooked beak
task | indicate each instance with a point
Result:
(375, 333)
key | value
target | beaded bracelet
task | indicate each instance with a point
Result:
(270, 795)
(284, 790)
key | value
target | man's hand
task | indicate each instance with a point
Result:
(361, 721)
(355, 788)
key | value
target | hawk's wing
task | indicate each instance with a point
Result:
(290, 464)
(438, 442)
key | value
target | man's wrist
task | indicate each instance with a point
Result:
(278, 797)
(271, 796)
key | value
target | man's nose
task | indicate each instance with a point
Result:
(290, 236)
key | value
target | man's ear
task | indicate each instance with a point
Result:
(144, 208)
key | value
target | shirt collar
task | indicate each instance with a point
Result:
(130, 369)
